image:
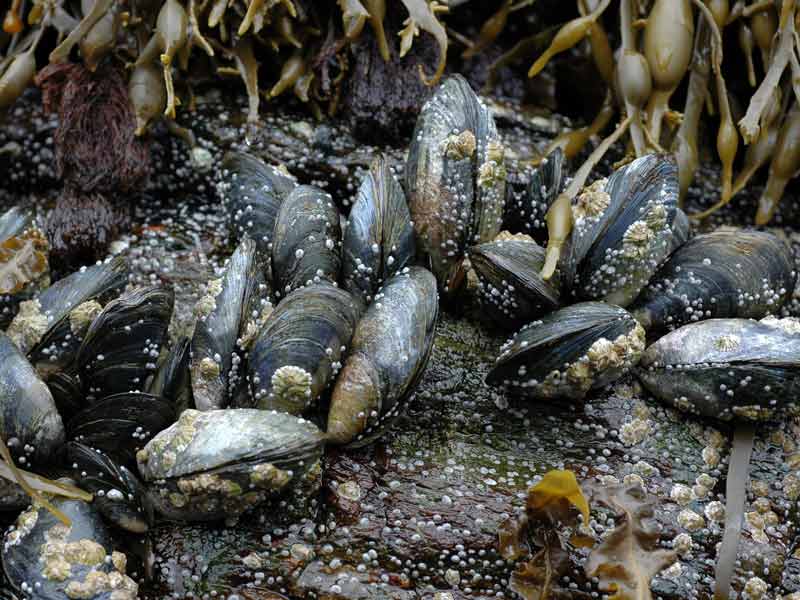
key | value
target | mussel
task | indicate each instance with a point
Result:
(301, 347)
(569, 352)
(70, 304)
(306, 240)
(727, 368)
(526, 213)
(253, 192)
(29, 422)
(623, 230)
(123, 343)
(455, 178)
(389, 353)
(220, 463)
(118, 494)
(379, 238)
(510, 287)
(45, 559)
(746, 274)
(221, 312)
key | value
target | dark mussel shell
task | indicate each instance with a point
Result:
(29, 422)
(569, 352)
(727, 368)
(47, 560)
(24, 266)
(525, 213)
(300, 349)
(510, 287)
(747, 274)
(214, 361)
(46, 321)
(120, 425)
(220, 463)
(623, 230)
(118, 495)
(455, 178)
(124, 341)
(253, 192)
(305, 247)
(172, 380)
(379, 238)
(390, 350)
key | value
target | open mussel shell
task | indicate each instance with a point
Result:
(525, 212)
(214, 362)
(306, 240)
(47, 560)
(623, 230)
(510, 288)
(747, 274)
(301, 347)
(118, 494)
(253, 192)
(47, 320)
(220, 463)
(120, 425)
(124, 341)
(569, 352)
(29, 422)
(727, 368)
(455, 178)
(389, 352)
(379, 238)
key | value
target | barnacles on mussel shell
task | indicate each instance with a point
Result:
(306, 240)
(29, 421)
(301, 346)
(623, 230)
(223, 314)
(220, 463)
(455, 178)
(727, 368)
(510, 287)
(388, 355)
(379, 238)
(569, 352)
(746, 274)
(253, 191)
(44, 320)
(46, 559)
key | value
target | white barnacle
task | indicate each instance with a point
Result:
(292, 384)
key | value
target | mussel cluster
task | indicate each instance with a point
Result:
(316, 323)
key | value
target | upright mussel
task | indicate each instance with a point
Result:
(388, 355)
(455, 178)
(746, 274)
(301, 346)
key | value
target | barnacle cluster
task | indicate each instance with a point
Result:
(161, 43)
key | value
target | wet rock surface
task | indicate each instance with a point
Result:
(416, 515)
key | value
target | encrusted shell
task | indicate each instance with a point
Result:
(220, 463)
(727, 368)
(623, 230)
(569, 352)
(455, 177)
